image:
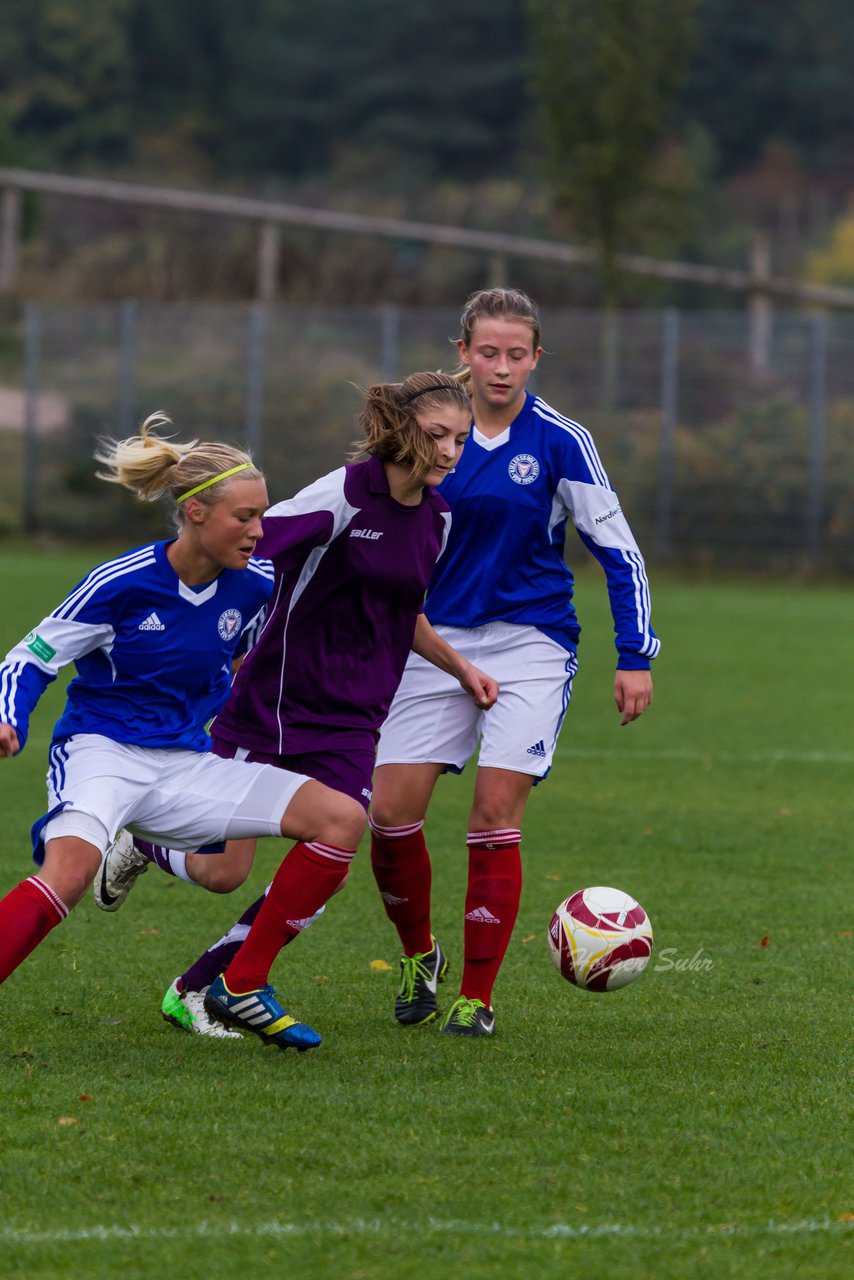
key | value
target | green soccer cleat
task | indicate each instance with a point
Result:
(186, 1010)
(259, 1012)
(468, 1018)
(419, 976)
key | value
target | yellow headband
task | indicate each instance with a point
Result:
(223, 475)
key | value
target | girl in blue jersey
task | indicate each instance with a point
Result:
(352, 556)
(152, 634)
(501, 595)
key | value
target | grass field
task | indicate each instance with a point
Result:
(695, 1124)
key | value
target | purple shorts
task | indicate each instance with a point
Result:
(350, 771)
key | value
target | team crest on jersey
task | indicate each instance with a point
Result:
(229, 624)
(523, 469)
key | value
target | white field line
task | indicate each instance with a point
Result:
(382, 1227)
(711, 755)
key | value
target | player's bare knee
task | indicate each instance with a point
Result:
(348, 824)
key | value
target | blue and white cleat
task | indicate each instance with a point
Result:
(260, 1013)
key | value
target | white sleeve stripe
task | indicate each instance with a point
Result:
(8, 689)
(264, 568)
(105, 574)
(144, 555)
(582, 437)
(650, 645)
(79, 599)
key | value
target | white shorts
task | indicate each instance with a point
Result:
(433, 720)
(183, 799)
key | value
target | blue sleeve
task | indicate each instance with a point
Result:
(22, 683)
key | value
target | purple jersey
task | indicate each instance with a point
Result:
(351, 569)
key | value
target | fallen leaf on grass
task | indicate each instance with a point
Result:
(65, 1120)
(764, 941)
(530, 937)
(86, 1097)
(380, 966)
(845, 1217)
(553, 877)
(143, 932)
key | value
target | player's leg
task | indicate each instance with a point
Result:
(33, 908)
(432, 725)
(328, 826)
(493, 893)
(220, 869)
(400, 862)
(520, 734)
(344, 770)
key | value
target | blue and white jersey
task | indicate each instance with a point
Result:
(511, 498)
(153, 656)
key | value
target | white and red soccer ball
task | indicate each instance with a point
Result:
(600, 939)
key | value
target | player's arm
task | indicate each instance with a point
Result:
(33, 664)
(428, 644)
(588, 499)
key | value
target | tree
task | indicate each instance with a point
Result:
(605, 75)
(65, 71)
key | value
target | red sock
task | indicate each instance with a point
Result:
(401, 867)
(309, 875)
(492, 904)
(27, 915)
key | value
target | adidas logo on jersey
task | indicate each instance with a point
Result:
(538, 749)
(152, 623)
(482, 915)
(299, 925)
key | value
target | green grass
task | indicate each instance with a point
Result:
(695, 1124)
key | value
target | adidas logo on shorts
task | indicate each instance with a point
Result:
(538, 749)
(152, 623)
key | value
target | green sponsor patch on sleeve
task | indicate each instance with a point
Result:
(39, 647)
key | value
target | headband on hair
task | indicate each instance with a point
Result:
(223, 475)
(441, 386)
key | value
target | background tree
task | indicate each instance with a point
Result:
(606, 76)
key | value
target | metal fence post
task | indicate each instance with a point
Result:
(667, 451)
(32, 357)
(10, 234)
(127, 367)
(256, 346)
(760, 311)
(815, 495)
(389, 341)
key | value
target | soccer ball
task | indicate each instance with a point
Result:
(600, 939)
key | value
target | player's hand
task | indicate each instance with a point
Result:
(632, 694)
(9, 744)
(482, 687)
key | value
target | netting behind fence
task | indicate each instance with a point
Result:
(718, 459)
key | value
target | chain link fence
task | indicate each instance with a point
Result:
(720, 460)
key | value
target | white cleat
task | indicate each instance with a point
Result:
(186, 1010)
(121, 865)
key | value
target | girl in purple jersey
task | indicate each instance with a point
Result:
(502, 595)
(352, 555)
(152, 634)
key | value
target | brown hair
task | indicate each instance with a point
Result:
(151, 465)
(389, 424)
